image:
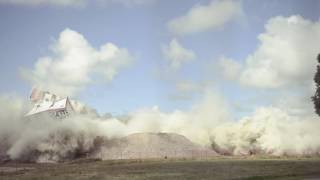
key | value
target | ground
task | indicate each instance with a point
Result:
(216, 168)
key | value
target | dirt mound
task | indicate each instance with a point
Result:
(154, 145)
(71, 147)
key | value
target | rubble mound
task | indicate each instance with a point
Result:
(154, 145)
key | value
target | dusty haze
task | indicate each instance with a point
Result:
(208, 124)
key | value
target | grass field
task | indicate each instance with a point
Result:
(218, 168)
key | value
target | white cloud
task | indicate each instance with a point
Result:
(205, 17)
(283, 65)
(286, 55)
(176, 54)
(74, 63)
(75, 3)
(230, 68)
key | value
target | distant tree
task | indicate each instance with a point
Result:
(316, 97)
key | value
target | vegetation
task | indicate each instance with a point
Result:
(316, 97)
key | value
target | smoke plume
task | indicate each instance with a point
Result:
(267, 131)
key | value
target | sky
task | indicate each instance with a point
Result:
(120, 55)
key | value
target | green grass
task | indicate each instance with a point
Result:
(216, 168)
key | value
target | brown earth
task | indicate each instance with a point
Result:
(153, 145)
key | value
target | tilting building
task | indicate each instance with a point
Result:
(46, 103)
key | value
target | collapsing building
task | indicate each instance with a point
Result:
(46, 103)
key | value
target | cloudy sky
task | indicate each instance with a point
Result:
(120, 55)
